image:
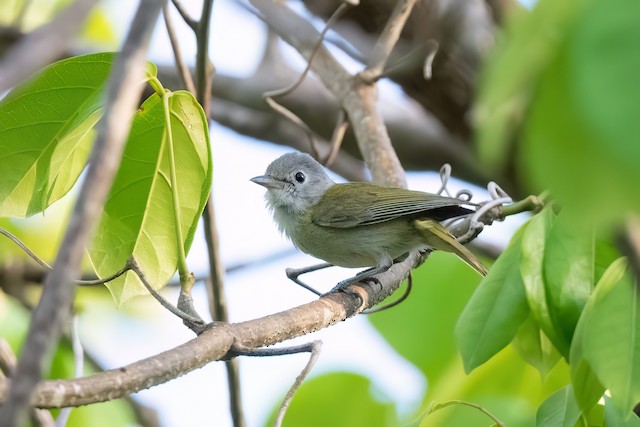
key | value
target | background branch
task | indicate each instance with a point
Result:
(44, 45)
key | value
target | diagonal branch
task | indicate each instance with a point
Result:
(389, 37)
(125, 87)
(217, 343)
(356, 95)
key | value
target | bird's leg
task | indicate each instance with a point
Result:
(361, 277)
(368, 273)
(293, 273)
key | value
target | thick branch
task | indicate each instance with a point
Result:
(217, 343)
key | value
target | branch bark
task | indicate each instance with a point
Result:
(217, 343)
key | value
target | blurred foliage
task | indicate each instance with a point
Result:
(560, 91)
(338, 400)
(30, 14)
(14, 323)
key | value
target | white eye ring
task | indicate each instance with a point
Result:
(299, 177)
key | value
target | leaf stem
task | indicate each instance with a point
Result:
(156, 84)
(531, 203)
(437, 406)
(186, 278)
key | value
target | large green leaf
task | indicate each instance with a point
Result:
(605, 64)
(611, 341)
(568, 271)
(533, 249)
(46, 129)
(513, 71)
(421, 329)
(495, 311)
(559, 410)
(577, 140)
(535, 348)
(139, 219)
(614, 418)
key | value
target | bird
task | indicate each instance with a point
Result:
(358, 224)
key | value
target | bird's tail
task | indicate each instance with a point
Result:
(438, 237)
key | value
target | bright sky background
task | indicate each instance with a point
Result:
(246, 233)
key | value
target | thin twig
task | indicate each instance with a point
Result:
(388, 39)
(123, 93)
(47, 267)
(24, 247)
(342, 8)
(357, 96)
(427, 69)
(438, 406)
(192, 23)
(188, 318)
(183, 70)
(313, 347)
(342, 124)
(204, 68)
(215, 286)
(107, 279)
(528, 204)
(285, 112)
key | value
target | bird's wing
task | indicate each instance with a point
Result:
(357, 204)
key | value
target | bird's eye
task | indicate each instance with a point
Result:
(300, 177)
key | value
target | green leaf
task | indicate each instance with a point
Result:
(577, 140)
(614, 418)
(558, 410)
(46, 129)
(605, 65)
(495, 311)
(586, 386)
(138, 219)
(568, 271)
(611, 341)
(535, 348)
(513, 71)
(338, 399)
(606, 253)
(533, 248)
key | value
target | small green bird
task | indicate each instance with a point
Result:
(357, 224)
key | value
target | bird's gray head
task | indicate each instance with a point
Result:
(295, 182)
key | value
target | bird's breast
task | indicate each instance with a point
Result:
(355, 247)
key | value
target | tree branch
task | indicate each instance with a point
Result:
(217, 343)
(125, 87)
(356, 96)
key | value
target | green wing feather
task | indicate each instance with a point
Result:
(360, 203)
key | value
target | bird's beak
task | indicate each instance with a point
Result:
(267, 181)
